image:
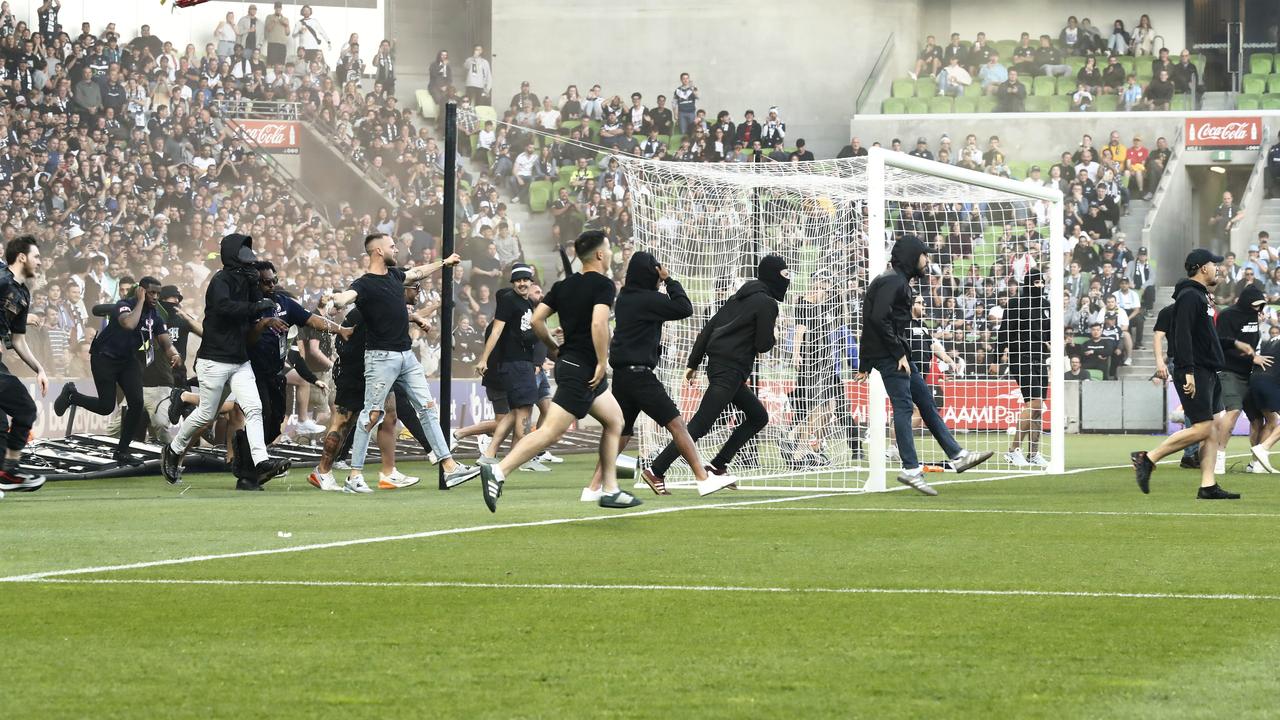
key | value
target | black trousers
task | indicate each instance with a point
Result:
(16, 405)
(271, 388)
(109, 372)
(725, 387)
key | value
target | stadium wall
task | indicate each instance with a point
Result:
(995, 18)
(196, 24)
(335, 180)
(808, 57)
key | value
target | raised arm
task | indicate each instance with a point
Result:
(415, 274)
(339, 299)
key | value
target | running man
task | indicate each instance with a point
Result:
(1238, 334)
(22, 257)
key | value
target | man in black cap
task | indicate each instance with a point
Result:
(884, 346)
(506, 362)
(132, 323)
(730, 341)
(233, 302)
(1197, 356)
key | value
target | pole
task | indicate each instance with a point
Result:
(876, 259)
(446, 286)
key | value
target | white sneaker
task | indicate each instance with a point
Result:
(482, 441)
(547, 457)
(714, 483)
(1254, 467)
(310, 427)
(355, 485)
(589, 495)
(324, 481)
(1038, 460)
(1128, 362)
(1220, 466)
(342, 465)
(534, 466)
(1264, 459)
(1015, 458)
(395, 480)
(891, 452)
(913, 75)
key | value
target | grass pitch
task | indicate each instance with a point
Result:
(1070, 596)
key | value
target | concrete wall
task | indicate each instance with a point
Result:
(335, 180)
(969, 17)
(808, 57)
(195, 25)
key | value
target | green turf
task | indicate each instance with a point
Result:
(800, 636)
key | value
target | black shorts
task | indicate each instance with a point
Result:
(639, 391)
(519, 383)
(348, 390)
(1033, 383)
(497, 398)
(1208, 399)
(813, 389)
(1264, 393)
(573, 387)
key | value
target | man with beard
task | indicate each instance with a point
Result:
(1025, 336)
(22, 258)
(511, 381)
(885, 346)
(1197, 356)
(233, 302)
(113, 359)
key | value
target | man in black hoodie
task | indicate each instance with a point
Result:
(1197, 357)
(635, 351)
(1025, 336)
(730, 341)
(1238, 334)
(233, 302)
(885, 343)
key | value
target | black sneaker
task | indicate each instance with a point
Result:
(126, 458)
(1189, 462)
(247, 484)
(63, 401)
(19, 481)
(270, 468)
(176, 406)
(1215, 492)
(1142, 467)
(620, 500)
(171, 465)
(491, 485)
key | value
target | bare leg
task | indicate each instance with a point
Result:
(606, 410)
(598, 476)
(557, 422)
(1035, 425)
(339, 426)
(502, 428)
(481, 428)
(387, 433)
(1201, 432)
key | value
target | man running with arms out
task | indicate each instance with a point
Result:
(582, 301)
(884, 346)
(1026, 337)
(634, 353)
(388, 356)
(22, 255)
(1197, 356)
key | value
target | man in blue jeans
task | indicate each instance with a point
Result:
(886, 319)
(388, 359)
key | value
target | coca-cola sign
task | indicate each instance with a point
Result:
(280, 136)
(1224, 132)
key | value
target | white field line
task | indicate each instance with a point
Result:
(995, 511)
(668, 588)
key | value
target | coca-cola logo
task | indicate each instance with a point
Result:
(272, 134)
(1223, 132)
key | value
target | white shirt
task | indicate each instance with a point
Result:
(305, 39)
(524, 164)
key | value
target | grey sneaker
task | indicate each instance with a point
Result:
(534, 466)
(966, 460)
(487, 460)
(915, 481)
(460, 474)
(356, 485)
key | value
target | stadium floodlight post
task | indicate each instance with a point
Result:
(446, 285)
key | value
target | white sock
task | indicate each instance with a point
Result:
(917, 470)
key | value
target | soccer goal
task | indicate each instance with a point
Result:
(835, 222)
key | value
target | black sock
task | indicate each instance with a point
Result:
(10, 464)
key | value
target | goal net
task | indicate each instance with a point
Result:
(835, 222)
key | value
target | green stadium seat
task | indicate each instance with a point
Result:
(1144, 73)
(904, 88)
(1271, 102)
(960, 267)
(966, 105)
(539, 195)
(1254, 84)
(894, 106)
(565, 172)
(593, 130)
(1273, 83)
(557, 186)
(1043, 86)
(1106, 103)
(426, 104)
(1026, 85)
(1005, 48)
(1260, 63)
(1018, 169)
(674, 145)
(1066, 85)
(1074, 62)
(1249, 102)
(941, 105)
(973, 90)
(1127, 61)
(986, 104)
(917, 106)
(1096, 375)
(665, 140)
(1181, 103)
(1059, 104)
(486, 112)
(568, 125)
(1036, 103)
(926, 87)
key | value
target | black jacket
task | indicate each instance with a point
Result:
(229, 306)
(1025, 330)
(886, 307)
(640, 311)
(1193, 341)
(740, 330)
(1240, 322)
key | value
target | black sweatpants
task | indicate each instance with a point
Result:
(108, 372)
(271, 388)
(18, 407)
(724, 387)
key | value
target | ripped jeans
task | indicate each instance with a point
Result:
(383, 370)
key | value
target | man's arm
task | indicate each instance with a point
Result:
(218, 299)
(600, 339)
(1157, 345)
(880, 321)
(339, 299)
(324, 324)
(766, 320)
(415, 274)
(1186, 312)
(540, 329)
(24, 351)
(675, 305)
(490, 343)
(170, 352)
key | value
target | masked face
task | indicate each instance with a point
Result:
(246, 256)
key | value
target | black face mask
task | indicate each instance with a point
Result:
(773, 273)
(246, 256)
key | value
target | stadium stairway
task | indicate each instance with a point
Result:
(1144, 359)
(1269, 215)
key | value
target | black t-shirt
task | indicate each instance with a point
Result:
(380, 299)
(921, 346)
(574, 300)
(351, 352)
(516, 342)
(15, 301)
(119, 343)
(179, 329)
(819, 321)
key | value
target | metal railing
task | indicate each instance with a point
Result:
(256, 109)
(290, 181)
(1254, 193)
(873, 77)
(358, 159)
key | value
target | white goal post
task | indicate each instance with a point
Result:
(834, 222)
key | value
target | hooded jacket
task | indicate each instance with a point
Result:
(1025, 330)
(740, 330)
(1240, 323)
(229, 305)
(886, 307)
(640, 311)
(1193, 340)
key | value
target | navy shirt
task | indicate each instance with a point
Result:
(268, 355)
(118, 343)
(380, 299)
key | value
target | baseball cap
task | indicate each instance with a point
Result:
(170, 291)
(922, 140)
(1142, 250)
(1199, 257)
(520, 271)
